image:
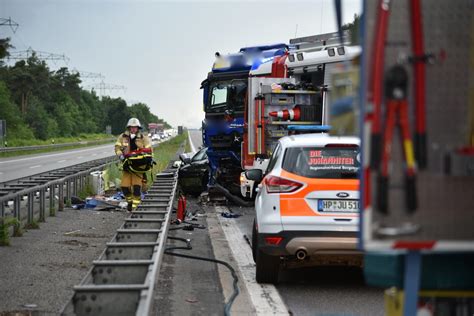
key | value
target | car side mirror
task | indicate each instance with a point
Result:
(254, 175)
(184, 159)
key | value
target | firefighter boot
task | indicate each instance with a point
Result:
(136, 198)
(128, 197)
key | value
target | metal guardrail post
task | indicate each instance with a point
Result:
(68, 192)
(51, 199)
(17, 214)
(16, 207)
(74, 186)
(82, 182)
(61, 196)
(42, 217)
(30, 207)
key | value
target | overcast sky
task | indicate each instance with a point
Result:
(161, 50)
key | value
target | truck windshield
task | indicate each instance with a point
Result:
(227, 95)
(326, 162)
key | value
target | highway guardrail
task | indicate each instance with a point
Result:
(62, 145)
(122, 281)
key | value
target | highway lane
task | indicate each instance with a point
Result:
(18, 167)
(315, 291)
(196, 138)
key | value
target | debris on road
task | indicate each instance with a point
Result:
(71, 232)
(230, 215)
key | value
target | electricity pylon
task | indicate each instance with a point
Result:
(103, 87)
(25, 54)
(9, 22)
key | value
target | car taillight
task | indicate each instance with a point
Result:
(281, 185)
(275, 241)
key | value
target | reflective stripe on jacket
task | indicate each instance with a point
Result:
(122, 145)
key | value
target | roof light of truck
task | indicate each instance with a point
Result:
(331, 52)
(299, 56)
(281, 185)
(275, 241)
(291, 58)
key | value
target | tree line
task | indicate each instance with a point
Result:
(41, 103)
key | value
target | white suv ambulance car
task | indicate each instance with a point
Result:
(307, 205)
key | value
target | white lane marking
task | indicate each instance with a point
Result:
(265, 297)
(80, 157)
(37, 166)
(54, 155)
(94, 154)
(62, 160)
(191, 142)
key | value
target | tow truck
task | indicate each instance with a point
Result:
(289, 95)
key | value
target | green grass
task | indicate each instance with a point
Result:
(87, 190)
(167, 151)
(58, 140)
(5, 223)
(33, 225)
(113, 174)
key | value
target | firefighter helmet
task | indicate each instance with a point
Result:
(134, 122)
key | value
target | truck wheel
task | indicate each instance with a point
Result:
(267, 268)
(254, 241)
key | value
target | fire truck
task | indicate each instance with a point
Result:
(290, 95)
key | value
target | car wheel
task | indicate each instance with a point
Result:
(254, 241)
(267, 268)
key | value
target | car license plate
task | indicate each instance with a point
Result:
(337, 206)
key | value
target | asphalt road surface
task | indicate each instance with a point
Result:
(196, 138)
(23, 166)
(315, 291)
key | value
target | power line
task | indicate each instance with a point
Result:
(9, 22)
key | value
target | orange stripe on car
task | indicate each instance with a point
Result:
(294, 204)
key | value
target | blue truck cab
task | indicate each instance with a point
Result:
(224, 99)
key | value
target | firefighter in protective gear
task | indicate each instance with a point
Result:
(130, 141)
